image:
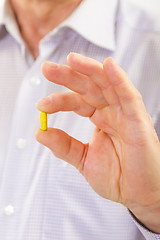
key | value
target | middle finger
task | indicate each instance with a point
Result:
(77, 82)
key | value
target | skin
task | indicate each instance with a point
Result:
(122, 160)
(36, 18)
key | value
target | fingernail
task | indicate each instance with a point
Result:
(110, 65)
(74, 56)
(43, 102)
(49, 65)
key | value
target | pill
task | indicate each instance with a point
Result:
(43, 120)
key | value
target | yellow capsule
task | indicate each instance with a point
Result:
(43, 119)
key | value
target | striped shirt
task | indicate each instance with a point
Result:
(41, 197)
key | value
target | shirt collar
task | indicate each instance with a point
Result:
(5, 12)
(93, 19)
(2, 11)
(8, 20)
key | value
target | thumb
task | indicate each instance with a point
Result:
(63, 146)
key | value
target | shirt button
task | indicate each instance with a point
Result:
(21, 143)
(9, 210)
(35, 81)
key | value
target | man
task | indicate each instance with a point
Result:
(41, 196)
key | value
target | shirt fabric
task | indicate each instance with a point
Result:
(42, 197)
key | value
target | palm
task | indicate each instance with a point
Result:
(103, 172)
(111, 149)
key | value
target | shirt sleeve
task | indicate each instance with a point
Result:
(146, 232)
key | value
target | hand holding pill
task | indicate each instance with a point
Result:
(121, 161)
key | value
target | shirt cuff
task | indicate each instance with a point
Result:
(146, 232)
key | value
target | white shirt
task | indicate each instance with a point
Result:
(41, 197)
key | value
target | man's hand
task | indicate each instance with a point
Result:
(122, 160)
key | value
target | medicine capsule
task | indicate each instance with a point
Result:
(43, 120)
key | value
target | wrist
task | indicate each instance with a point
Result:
(148, 217)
